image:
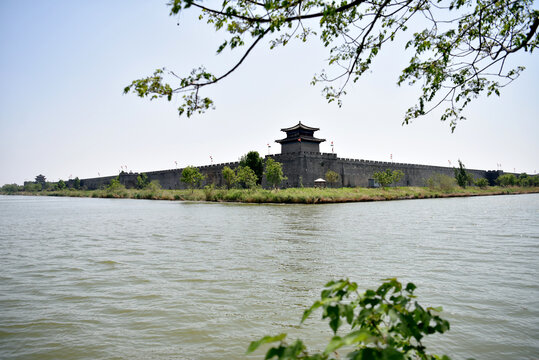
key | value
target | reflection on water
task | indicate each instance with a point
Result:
(98, 278)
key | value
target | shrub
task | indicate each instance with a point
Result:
(142, 181)
(61, 185)
(507, 180)
(482, 183)
(386, 323)
(10, 188)
(388, 177)
(332, 177)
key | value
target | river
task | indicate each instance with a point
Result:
(88, 278)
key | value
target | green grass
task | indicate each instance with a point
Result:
(291, 196)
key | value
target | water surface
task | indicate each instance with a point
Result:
(100, 278)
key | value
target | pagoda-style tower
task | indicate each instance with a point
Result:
(300, 138)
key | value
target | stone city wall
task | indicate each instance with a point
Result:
(301, 169)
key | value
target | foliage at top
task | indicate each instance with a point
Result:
(459, 49)
(387, 177)
(253, 160)
(386, 323)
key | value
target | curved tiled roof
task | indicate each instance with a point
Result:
(299, 125)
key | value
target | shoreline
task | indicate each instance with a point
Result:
(287, 196)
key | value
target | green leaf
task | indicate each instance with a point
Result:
(265, 340)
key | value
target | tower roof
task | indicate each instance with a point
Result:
(300, 132)
(298, 126)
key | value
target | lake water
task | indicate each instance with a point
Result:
(136, 279)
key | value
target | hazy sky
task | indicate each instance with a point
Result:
(64, 65)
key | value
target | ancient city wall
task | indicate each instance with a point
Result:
(301, 169)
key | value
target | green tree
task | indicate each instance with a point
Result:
(246, 177)
(462, 176)
(32, 187)
(461, 49)
(386, 323)
(507, 180)
(253, 160)
(332, 177)
(10, 188)
(524, 180)
(229, 176)
(388, 177)
(61, 185)
(192, 177)
(482, 183)
(76, 183)
(274, 172)
(142, 181)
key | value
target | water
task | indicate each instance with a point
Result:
(136, 279)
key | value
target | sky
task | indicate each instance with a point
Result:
(63, 114)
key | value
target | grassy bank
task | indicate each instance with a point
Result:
(292, 196)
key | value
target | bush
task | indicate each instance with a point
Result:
(441, 182)
(386, 323)
(332, 177)
(507, 180)
(142, 181)
(32, 187)
(482, 183)
(10, 188)
(388, 177)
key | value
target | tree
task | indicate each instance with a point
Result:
(142, 181)
(482, 183)
(274, 172)
(192, 177)
(229, 176)
(461, 48)
(462, 176)
(388, 177)
(61, 185)
(386, 323)
(332, 177)
(76, 183)
(507, 180)
(10, 188)
(246, 177)
(253, 160)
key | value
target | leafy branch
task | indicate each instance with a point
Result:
(386, 323)
(461, 53)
